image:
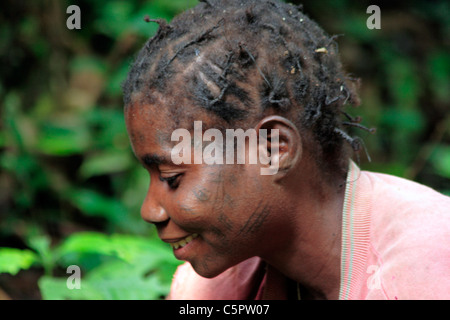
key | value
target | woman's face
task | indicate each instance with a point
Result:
(214, 216)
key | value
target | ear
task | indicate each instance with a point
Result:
(283, 147)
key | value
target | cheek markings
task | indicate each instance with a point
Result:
(221, 199)
(227, 223)
(256, 220)
(218, 232)
(187, 209)
(201, 194)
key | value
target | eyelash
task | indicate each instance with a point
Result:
(171, 181)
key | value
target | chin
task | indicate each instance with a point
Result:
(209, 270)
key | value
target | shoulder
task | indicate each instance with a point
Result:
(410, 232)
(399, 191)
(401, 205)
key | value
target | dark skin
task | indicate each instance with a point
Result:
(292, 219)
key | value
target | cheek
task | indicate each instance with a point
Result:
(192, 207)
(204, 204)
(221, 202)
(187, 209)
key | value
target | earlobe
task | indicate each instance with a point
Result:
(280, 145)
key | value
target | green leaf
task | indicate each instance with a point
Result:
(93, 203)
(132, 249)
(138, 268)
(13, 260)
(105, 163)
(115, 280)
(63, 140)
(135, 249)
(52, 288)
(86, 242)
(119, 280)
(41, 243)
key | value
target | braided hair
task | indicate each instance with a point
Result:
(241, 60)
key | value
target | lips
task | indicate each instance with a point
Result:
(179, 243)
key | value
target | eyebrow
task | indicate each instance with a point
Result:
(154, 159)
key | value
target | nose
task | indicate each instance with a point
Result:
(151, 209)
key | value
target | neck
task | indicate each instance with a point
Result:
(311, 253)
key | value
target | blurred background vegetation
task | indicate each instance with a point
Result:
(70, 189)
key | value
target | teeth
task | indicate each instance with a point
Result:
(183, 242)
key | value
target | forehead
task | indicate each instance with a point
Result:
(146, 125)
(150, 125)
(165, 113)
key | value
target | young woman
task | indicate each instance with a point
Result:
(318, 228)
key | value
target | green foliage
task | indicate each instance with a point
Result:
(13, 260)
(118, 267)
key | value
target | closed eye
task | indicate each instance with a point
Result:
(172, 181)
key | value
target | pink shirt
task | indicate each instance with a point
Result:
(395, 245)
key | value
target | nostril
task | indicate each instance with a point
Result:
(161, 224)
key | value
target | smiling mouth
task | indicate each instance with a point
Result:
(183, 242)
